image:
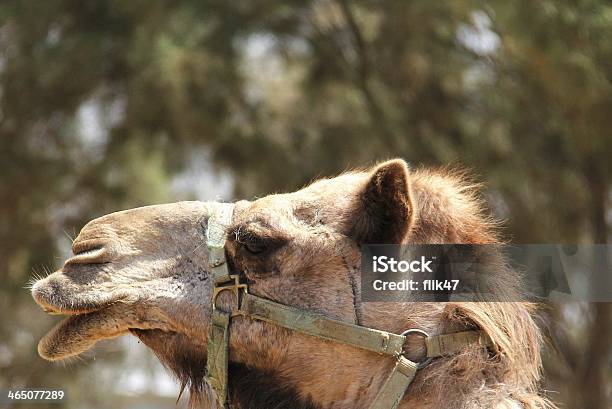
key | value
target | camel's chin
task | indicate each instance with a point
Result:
(181, 354)
(161, 341)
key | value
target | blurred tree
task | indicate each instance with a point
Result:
(103, 102)
(555, 80)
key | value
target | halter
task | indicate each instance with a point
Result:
(310, 323)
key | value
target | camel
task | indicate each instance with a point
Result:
(144, 271)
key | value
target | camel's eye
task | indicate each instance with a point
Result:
(256, 240)
(250, 242)
(254, 245)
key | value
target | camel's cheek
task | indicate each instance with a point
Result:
(258, 344)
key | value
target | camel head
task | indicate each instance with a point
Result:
(144, 271)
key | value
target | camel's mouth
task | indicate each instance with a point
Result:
(123, 275)
(88, 321)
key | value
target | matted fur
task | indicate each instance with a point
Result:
(311, 242)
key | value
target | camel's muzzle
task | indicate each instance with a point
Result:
(121, 263)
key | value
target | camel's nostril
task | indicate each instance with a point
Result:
(89, 252)
(80, 247)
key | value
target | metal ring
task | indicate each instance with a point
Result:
(415, 331)
(234, 286)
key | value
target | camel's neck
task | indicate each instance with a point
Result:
(254, 389)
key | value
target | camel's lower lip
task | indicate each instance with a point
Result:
(63, 340)
(79, 332)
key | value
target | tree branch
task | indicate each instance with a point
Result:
(364, 75)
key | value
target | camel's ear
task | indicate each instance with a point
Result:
(383, 208)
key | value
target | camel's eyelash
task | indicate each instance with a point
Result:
(237, 233)
(243, 235)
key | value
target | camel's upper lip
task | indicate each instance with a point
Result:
(93, 255)
(75, 305)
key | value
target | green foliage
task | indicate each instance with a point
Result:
(103, 102)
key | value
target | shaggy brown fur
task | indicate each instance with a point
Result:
(302, 249)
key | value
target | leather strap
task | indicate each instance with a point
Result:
(448, 344)
(391, 393)
(382, 342)
(217, 359)
(321, 326)
(220, 218)
(218, 354)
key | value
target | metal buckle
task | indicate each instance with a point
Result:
(235, 286)
(415, 331)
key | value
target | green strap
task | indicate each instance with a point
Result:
(382, 342)
(392, 391)
(448, 344)
(374, 340)
(218, 332)
(220, 219)
(218, 354)
(321, 326)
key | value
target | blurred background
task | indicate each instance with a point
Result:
(106, 105)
